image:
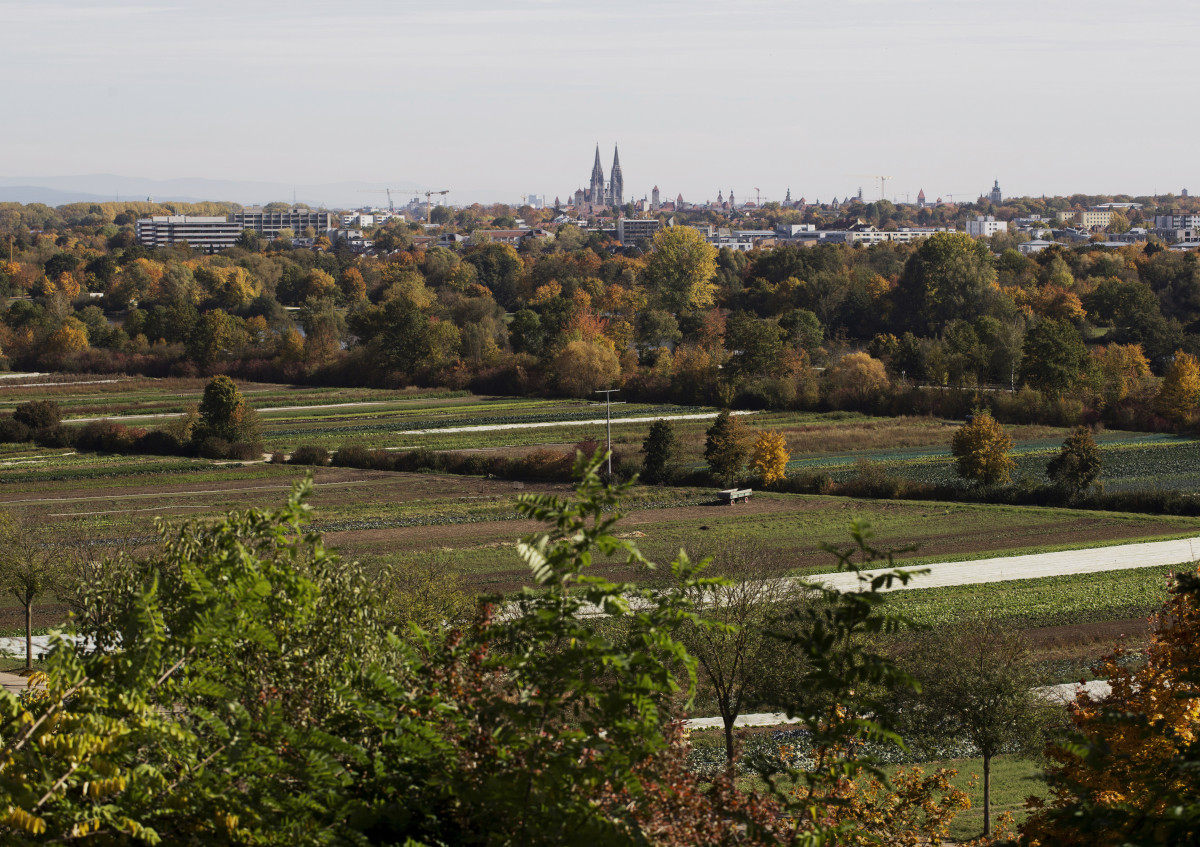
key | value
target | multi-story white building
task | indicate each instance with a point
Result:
(985, 226)
(633, 230)
(871, 235)
(211, 234)
(270, 223)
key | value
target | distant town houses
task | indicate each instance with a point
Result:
(601, 206)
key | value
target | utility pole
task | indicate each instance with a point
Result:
(608, 393)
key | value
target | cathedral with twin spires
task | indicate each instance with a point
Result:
(599, 194)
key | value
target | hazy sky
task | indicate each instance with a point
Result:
(493, 99)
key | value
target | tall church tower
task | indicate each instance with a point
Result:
(617, 184)
(596, 189)
(654, 200)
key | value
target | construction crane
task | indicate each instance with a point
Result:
(960, 194)
(388, 192)
(882, 183)
(429, 203)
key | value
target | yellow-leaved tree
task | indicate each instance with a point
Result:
(1179, 393)
(769, 456)
(980, 448)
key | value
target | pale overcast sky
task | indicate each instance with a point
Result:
(494, 99)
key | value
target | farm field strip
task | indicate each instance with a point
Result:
(160, 494)
(260, 411)
(542, 424)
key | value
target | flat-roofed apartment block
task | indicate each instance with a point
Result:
(633, 230)
(1177, 221)
(201, 233)
(985, 226)
(270, 223)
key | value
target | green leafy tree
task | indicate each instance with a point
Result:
(949, 276)
(757, 346)
(211, 338)
(498, 268)
(737, 655)
(726, 446)
(30, 567)
(981, 450)
(976, 683)
(525, 332)
(1055, 358)
(840, 692)
(225, 414)
(680, 271)
(1077, 465)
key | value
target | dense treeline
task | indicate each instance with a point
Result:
(891, 328)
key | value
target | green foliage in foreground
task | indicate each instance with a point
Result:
(245, 690)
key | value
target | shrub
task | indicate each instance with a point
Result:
(352, 456)
(12, 431)
(159, 442)
(38, 414)
(107, 436)
(309, 455)
(56, 436)
(872, 479)
(245, 451)
(474, 464)
(213, 448)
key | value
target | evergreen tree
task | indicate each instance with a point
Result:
(1077, 464)
(726, 446)
(659, 451)
(225, 415)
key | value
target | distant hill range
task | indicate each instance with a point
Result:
(105, 188)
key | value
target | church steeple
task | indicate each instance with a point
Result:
(596, 189)
(617, 183)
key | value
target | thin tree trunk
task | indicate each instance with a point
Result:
(987, 796)
(29, 636)
(728, 720)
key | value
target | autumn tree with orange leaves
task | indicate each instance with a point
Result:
(1130, 775)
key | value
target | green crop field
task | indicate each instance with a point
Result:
(913, 448)
(1045, 602)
